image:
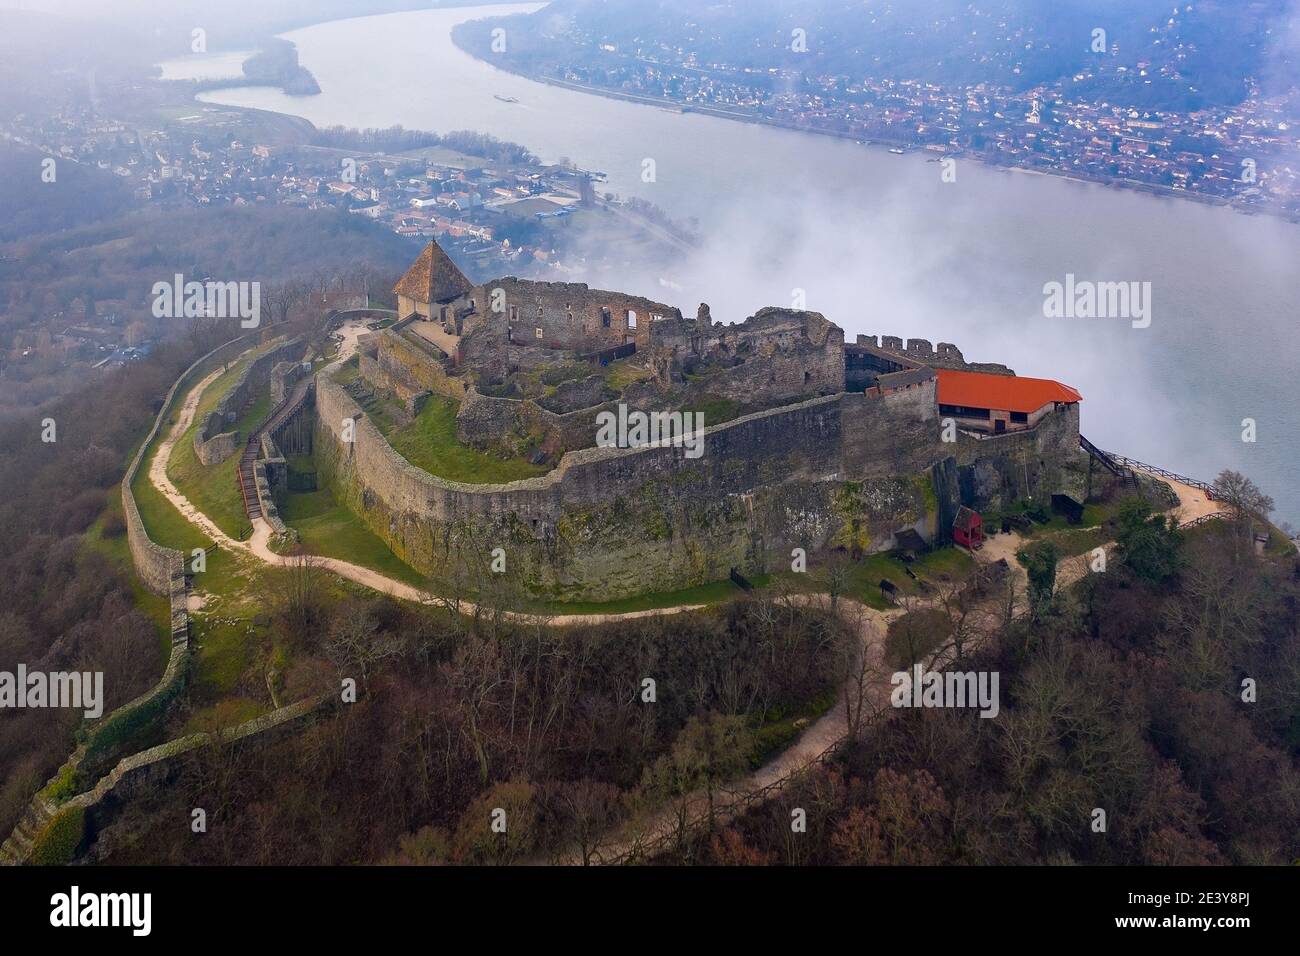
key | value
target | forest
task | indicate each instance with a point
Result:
(1164, 693)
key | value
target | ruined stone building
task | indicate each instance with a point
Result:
(809, 441)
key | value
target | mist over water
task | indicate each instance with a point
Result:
(880, 244)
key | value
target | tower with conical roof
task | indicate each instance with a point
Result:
(431, 284)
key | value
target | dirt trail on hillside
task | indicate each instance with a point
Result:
(643, 838)
(158, 467)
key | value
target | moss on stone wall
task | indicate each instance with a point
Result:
(57, 843)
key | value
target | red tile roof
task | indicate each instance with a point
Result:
(1007, 393)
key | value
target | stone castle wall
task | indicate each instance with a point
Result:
(842, 470)
(212, 445)
(407, 366)
(944, 355)
(570, 314)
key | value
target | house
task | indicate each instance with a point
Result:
(968, 529)
(981, 401)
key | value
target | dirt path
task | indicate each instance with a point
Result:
(158, 467)
(640, 838)
(1193, 503)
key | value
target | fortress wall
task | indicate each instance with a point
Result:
(944, 355)
(213, 447)
(893, 434)
(779, 376)
(607, 521)
(148, 772)
(491, 423)
(409, 367)
(568, 313)
(846, 470)
(570, 431)
(785, 353)
(283, 378)
(575, 395)
(1000, 469)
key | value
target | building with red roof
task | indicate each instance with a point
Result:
(980, 401)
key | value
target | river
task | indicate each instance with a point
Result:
(881, 244)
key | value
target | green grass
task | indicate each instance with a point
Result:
(225, 653)
(622, 373)
(862, 578)
(430, 442)
(349, 371)
(331, 530)
(711, 593)
(162, 520)
(716, 410)
(781, 729)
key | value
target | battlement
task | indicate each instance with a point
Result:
(920, 351)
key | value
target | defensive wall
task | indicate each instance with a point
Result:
(845, 470)
(569, 315)
(212, 444)
(162, 570)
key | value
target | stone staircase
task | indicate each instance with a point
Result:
(292, 404)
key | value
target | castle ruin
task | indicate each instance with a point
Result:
(809, 441)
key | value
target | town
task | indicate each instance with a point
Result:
(491, 204)
(1246, 155)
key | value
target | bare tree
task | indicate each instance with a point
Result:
(295, 594)
(354, 644)
(1246, 503)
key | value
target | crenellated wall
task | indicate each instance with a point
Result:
(944, 355)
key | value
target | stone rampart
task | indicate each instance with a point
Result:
(835, 471)
(406, 365)
(212, 444)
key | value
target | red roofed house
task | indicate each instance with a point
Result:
(980, 401)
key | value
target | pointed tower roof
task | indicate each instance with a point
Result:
(433, 278)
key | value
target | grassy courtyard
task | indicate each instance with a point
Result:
(331, 530)
(430, 442)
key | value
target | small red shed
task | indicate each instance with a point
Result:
(968, 529)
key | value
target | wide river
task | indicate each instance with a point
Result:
(879, 243)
